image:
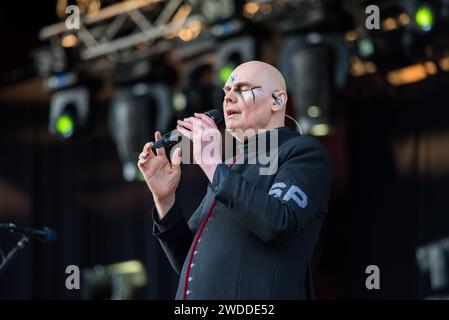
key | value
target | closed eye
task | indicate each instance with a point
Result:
(236, 89)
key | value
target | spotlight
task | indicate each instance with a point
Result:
(365, 47)
(314, 67)
(136, 111)
(69, 111)
(424, 18)
(225, 72)
(65, 125)
(141, 105)
(313, 97)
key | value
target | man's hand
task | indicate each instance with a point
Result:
(206, 139)
(161, 176)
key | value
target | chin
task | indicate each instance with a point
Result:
(232, 125)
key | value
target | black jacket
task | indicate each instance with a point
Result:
(252, 237)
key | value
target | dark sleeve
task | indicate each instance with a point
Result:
(299, 192)
(175, 235)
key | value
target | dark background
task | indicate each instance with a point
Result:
(389, 195)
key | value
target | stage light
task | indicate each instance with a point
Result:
(365, 47)
(320, 130)
(444, 64)
(389, 24)
(318, 62)
(358, 68)
(225, 72)
(65, 125)
(69, 40)
(407, 75)
(140, 105)
(314, 111)
(312, 97)
(250, 9)
(136, 111)
(370, 67)
(351, 36)
(431, 68)
(190, 32)
(69, 111)
(179, 101)
(424, 18)
(118, 281)
(404, 19)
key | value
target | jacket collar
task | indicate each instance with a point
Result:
(252, 143)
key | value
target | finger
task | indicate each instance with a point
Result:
(186, 124)
(176, 159)
(206, 119)
(147, 148)
(143, 155)
(142, 162)
(193, 124)
(159, 151)
(185, 132)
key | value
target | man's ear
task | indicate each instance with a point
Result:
(280, 100)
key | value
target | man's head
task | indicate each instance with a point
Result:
(255, 98)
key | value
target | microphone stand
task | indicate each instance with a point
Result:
(10, 256)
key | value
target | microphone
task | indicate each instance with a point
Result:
(172, 137)
(45, 234)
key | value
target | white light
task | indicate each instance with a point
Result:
(314, 111)
(320, 129)
(179, 101)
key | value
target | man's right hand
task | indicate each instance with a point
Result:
(161, 176)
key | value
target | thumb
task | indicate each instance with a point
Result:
(176, 158)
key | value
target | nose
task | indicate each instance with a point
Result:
(230, 97)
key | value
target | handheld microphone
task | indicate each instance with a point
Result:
(172, 137)
(45, 234)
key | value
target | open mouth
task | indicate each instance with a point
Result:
(230, 113)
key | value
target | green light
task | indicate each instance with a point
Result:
(225, 73)
(64, 125)
(424, 18)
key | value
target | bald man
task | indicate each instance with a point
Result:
(253, 235)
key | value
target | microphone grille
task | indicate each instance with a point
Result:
(215, 114)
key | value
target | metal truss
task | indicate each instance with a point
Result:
(127, 29)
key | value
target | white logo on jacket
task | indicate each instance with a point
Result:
(293, 193)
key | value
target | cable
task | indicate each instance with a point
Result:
(2, 255)
(296, 122)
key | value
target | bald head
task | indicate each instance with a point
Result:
(264, 72)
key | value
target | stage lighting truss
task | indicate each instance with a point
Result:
(134, 29)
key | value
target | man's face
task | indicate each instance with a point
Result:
(247, 100)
